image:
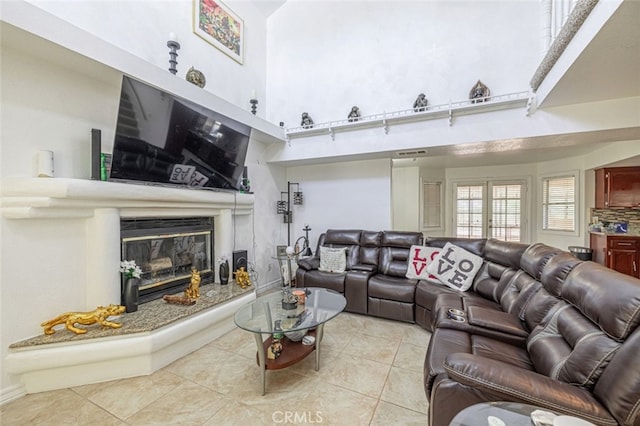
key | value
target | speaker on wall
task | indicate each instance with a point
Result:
(96, 150)
(239, 261)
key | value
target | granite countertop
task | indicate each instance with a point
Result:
(148, 317)
(617, 234)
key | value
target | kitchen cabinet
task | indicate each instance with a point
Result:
(619, 252)
(618, 187)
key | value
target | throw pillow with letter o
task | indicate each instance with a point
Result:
(455, 267)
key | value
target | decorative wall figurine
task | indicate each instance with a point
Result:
(479, 93)
(420, 103)
(306, 122)
(99, 316)
(196, 77)
(354, 115)
(193, 291)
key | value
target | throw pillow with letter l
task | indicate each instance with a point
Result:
(455, 267)
(333, 259)
(419, 258)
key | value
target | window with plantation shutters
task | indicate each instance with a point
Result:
(559, 203)
(506, 212)
(470, 211)
(431, 205)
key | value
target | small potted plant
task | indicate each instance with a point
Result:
(131, 273)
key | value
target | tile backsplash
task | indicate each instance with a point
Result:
(631, 216)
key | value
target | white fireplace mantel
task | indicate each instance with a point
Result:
(38, 198)
(102, 204)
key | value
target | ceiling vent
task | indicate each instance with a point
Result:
(412, 153)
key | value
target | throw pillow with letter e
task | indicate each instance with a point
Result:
(419, 258)
(333, 259)
(455, 267)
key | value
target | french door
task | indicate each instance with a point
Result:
(490, 209)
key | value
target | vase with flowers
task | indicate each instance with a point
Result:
(131, 281)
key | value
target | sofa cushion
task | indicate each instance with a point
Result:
(474, 245)
(401, 239)
(419, 258)
(570, 348)
(345, 237)
(455, 267)
(589, 288)
(535, 257)
(392, 288)
(333, 259)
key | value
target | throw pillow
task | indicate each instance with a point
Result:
(333, 259)
(419, 258)
(455, 267)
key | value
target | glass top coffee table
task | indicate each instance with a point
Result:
(497, 413)
(266, 316)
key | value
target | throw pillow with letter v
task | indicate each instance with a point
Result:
(455, 267)
(419, 258)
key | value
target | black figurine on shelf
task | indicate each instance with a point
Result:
(306, 122)
(479, 93)
(420, 103)
(354, 115)
(254, 106)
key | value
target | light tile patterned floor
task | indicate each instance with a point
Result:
(370, 374)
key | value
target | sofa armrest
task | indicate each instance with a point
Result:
(508, 382)
(309, 263)
(364, 268)
(503, 322)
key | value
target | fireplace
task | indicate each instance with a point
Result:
(166, 249)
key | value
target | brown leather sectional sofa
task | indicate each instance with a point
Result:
(538, 326)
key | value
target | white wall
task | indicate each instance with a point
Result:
(52, 104)
(143, 27)
(406, 198)
(350, 195)
(326, 56)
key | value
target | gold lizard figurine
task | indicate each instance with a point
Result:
(99, 315)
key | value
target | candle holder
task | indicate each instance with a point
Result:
(173, 46)
(254, 106)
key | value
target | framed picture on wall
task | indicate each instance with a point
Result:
(214, 22)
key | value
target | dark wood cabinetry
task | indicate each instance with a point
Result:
(618, 187)
(621, 253)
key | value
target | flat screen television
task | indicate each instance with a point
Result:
(163, 139)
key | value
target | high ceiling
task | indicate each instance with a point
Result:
(267, 7)
(608, 68)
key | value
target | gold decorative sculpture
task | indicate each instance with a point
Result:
(99, 315)
(193, 291)
(196, 77)
(242, 278)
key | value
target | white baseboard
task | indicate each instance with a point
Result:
(12, 393)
